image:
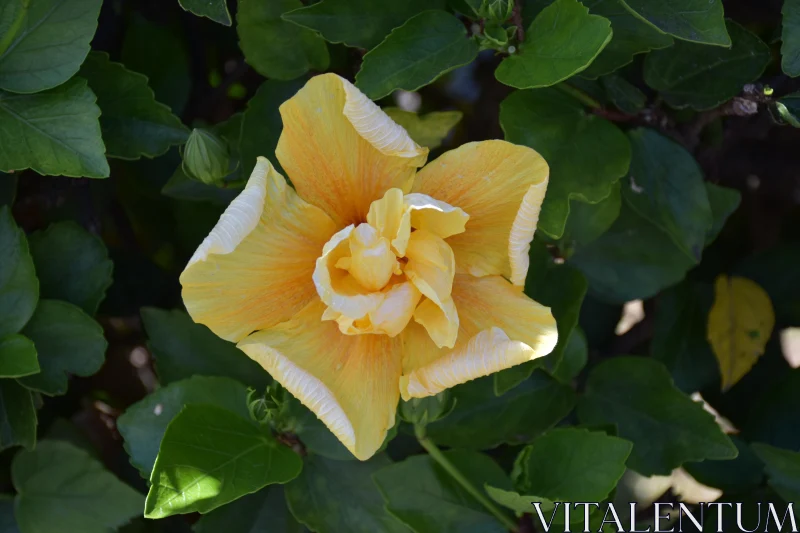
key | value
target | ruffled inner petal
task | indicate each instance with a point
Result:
(499, 327)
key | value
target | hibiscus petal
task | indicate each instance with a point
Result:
(440, 218)
(349, 381)
(499, 327)
(262, 251)
(501, 186)
(341, 151)
(337, 288)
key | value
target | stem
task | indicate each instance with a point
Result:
(450, 468)
(576, 93)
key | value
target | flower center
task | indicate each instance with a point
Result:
(377, 276)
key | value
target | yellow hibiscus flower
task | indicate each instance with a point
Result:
(371, 280)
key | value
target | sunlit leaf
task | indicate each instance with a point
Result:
(197, 471)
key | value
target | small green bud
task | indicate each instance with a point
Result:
(269, 407)
(205, 157)
(497, 10)
(423, 411)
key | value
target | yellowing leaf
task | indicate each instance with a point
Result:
(739, 326)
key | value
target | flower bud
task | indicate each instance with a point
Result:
(205, 157)
(269, 407)
(423, 411)
(497, 10)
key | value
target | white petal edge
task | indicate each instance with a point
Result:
(488, 352)
(376, 127)
(242, 215)
(305, 387)
(523, 230)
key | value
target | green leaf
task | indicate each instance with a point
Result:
(72, 265)
(54, 132)
(790, 37)
(183, 348)
(783, 470)
(586, 153)
(49, 46)
(429, 129)
(415, 54)
(666, 427)
(169, 76)
(358, 23)
(632, 260)
(572, 465)
(313, 433)
(182, 187)
(12, 17)
(631, 36)
(132, 122)
(274, 47)
(263, 511)
(62, 488)
(679, 336)
(576, 355)
(197, 471)
(262, 124)
(482, 420)
(143, 424)
(19, 288)
(427, 499)
(700, 21)
(702, 77)
(332, 496)
(723, 201)
(562, 289)
(587, 222)
(17, 415)
(216, 10)
(562, 41)
(517, 502)
(17, 356)
(734, 476)
(68, 342)
(665, 186)
(623, 94)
